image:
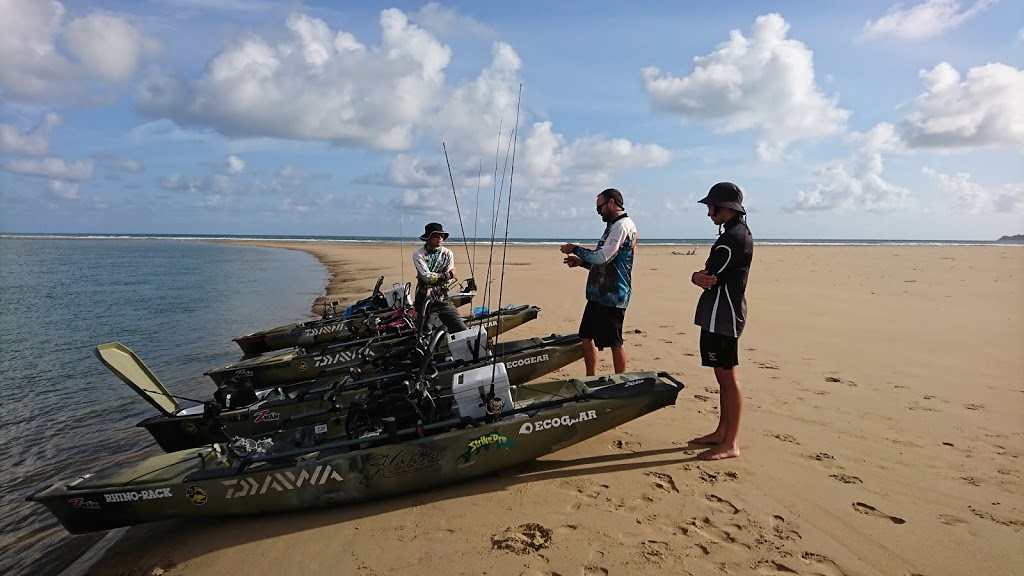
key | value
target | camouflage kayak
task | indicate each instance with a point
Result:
(247, 477)
(356, 321)
(299, 365)
(323, 401)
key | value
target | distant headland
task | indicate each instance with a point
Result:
(1015, 239)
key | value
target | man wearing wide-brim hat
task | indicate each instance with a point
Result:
(722, 312)
(435, 267)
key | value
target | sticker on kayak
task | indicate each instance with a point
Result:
(531, 427)
(320, 429)
(279, 482)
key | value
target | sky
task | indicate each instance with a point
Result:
(859, 120)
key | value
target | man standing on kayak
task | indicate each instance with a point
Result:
(609, 284)
(435, 267)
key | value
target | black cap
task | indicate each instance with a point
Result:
(725, 195)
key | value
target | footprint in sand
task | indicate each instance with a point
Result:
(625, 445)
(785, 438)
(655, 549)
(767, 365)
(710, 390)
(951, 520)
(722, 504)
(522, 539)
(872, 511)
(822, 564)
(782, 531)
(974, 406)
(662, 481)
(588, 494)
(772, 567)
(701, 397)
(595, 571)
(1015, 524)
(846, 478)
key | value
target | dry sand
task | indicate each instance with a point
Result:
(883, 434)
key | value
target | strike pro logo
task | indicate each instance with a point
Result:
(265, 416)
(530, 427)
(328, 359)
(527, 361)
(136, 495)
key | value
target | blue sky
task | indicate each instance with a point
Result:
(838, 120)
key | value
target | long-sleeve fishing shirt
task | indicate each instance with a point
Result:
(610, 281)
(429, 266)
(722, 309)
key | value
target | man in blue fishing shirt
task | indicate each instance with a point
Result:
(609, 283)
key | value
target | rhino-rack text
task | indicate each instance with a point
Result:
(530, 427)
(138, 495)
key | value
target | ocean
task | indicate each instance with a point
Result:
(176, 303)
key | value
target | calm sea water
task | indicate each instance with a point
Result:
(176, 303)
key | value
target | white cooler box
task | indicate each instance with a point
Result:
(466, 389)
(398, 297)
(461, 345)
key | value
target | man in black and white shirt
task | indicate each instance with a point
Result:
(722, 312)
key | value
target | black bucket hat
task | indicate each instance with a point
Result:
(431, 229)
(725, 195)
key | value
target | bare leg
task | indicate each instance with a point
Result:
(589, 356)
(619, 358)
(732, 410)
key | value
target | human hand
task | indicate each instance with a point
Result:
(703, 279)
(567, 248)
(572, 261)
(443, 276)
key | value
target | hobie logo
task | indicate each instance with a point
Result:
(328, 359)
(279, 481)
(530, 427)
(526, 361)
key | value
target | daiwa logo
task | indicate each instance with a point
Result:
(138, 495)
(530, 427)
(279, 481)
(312, 332)
(526, 361)
(328, 359)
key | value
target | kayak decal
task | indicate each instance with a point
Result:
(313, 332)
(138, 495)
(189, 427)
(83, 503)
(531, 427)
(196, 495)
(301, 365)
(525, 361)
(484, 443)
(399, 464)
(265, 416)
(285, 336)
(279, 481)
(328, 359)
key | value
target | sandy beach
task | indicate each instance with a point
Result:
(883, 433)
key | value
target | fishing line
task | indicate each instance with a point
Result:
(457, 210)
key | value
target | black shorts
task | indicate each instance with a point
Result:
(602, 324)
(718, 350)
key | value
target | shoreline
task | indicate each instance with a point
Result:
(881, 434)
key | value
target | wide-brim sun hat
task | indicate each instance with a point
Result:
(431, 229)
(725, 195)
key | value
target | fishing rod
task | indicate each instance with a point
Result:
(494, 192)
(476, 216)
(491, 408)
(458, 211)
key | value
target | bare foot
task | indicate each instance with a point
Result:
(713, 438)
(720, 453)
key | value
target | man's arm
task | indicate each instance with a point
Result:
(616, 237)
(424, 273)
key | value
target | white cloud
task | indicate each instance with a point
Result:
(33, 143)
(109, 46)
(986, 109)
(444, 21)
(925, 20)
(235, 165)
(968, 196)
(314, 85)
(101, 46)
(856, 183)
(63, 189)
(764, 83)
(51, 168)
(126, 165)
